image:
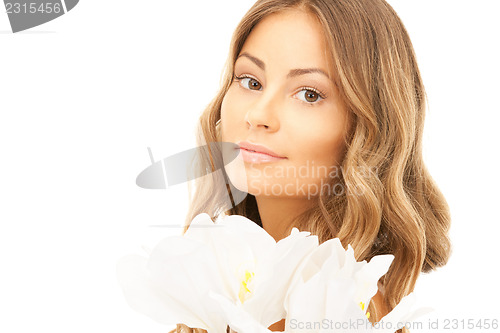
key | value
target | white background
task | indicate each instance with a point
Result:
(83, 96)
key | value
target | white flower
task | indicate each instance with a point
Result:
(334, 289)
(271, 281)
(330, 292)
(233, 259)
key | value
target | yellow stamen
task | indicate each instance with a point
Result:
(362, 306)
(244, 291)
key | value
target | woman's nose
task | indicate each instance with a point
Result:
(263, 115)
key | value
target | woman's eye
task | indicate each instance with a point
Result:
(310, 96)
(249, 83)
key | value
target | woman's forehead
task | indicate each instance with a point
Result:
(293, 38)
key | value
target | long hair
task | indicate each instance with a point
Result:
(400, 209)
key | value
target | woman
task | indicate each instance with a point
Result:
(326, 103)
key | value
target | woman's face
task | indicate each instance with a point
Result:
(282, 98)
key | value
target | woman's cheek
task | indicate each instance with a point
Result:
(233, 110)
(229, 117)
(315, 137)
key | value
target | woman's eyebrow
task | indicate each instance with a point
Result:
(255, 60)
(292, 73)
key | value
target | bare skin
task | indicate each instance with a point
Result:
(271, 211)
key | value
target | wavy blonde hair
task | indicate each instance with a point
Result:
(401, 210)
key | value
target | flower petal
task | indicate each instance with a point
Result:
(237, 318)
(367, 277)
(185, 271)
(147, 298)
(282, 264)
(306, 300)
(402, 314)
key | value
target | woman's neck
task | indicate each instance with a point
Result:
(277, 213)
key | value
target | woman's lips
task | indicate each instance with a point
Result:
(256, 157)
(254, 153)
